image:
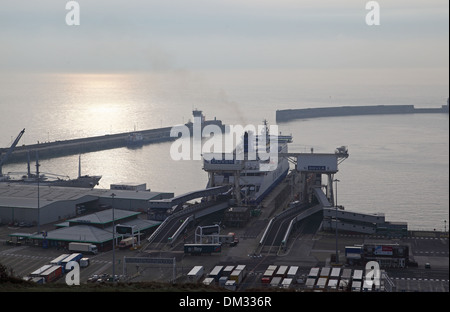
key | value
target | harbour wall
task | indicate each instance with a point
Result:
(307, 113)
(92, 144)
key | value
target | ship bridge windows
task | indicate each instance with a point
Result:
(252, 174)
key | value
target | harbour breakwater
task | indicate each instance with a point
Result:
(97, 143)
(307, 113)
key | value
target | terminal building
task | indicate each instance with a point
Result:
(30, 204)
(93, 228)
(356, 222)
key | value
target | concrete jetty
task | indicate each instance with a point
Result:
(96, 143)
(307, 113)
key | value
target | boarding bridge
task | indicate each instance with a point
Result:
(175, 201)
(174, 224)
(322, 198)
(319, 163)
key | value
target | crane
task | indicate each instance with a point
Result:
(10, 150)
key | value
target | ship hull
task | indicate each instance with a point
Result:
(81, 182)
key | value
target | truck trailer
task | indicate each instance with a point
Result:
(268, 274)
(199, 249)
(73, 257)
(228, 270)
(84, 262)
(237, 275)
(229, 239)
(127, 242)
(58, 260)
(38, 272)
(216, 273)
(83, 247)
(52, 274)
(282, 271)
(195, 274)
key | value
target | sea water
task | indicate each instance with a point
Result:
(398, 164)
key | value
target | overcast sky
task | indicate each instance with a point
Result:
(222, 34)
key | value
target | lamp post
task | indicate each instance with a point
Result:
(38, 195)
(336, 206)
(114, 239)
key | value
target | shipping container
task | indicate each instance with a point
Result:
(292, 273)
(282, 271)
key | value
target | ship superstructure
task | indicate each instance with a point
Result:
(249, 168)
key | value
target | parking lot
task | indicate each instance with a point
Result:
(306, 250)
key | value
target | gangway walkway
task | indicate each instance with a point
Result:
(278, 230)
(321, 197)
(181, 199)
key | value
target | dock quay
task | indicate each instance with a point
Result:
(286, 115)
(96, 143)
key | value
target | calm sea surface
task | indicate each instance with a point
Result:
(398, 164)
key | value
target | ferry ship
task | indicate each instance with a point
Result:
(50, 179)
(86, 181)
(253, 176)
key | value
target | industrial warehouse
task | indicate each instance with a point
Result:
(31, 204)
